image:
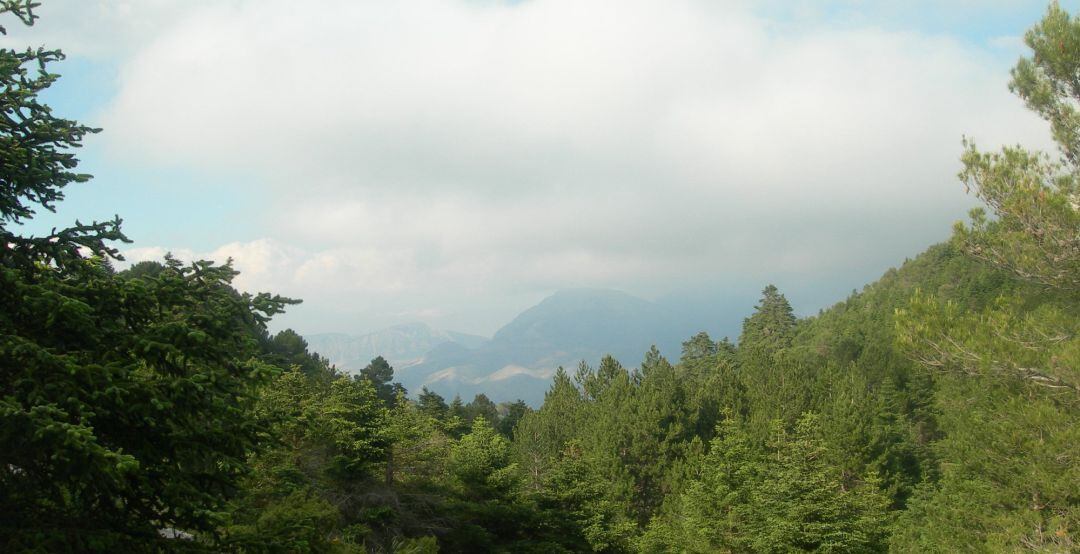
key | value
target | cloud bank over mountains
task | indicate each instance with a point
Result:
(455, 161)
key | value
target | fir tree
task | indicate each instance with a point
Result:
(126, 398)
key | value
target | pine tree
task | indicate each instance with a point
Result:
(1035, 199)
(576, 489)
(481, 406)
(511, 415)
(480, 463)
(433, 405)
(541, 435)
(803, 503)
(1007, 374)
(777, 383)
(771, 327)
(700, 346)
(781, 499)
(661, 424)
(714, 514)
(354, 422)
(456, 423)
(381, 376)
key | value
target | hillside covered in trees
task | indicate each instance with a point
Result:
(937, 410)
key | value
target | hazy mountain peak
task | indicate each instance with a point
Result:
(412, 327)
(573, 317)
(402, 345)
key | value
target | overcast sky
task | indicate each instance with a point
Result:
(453, 161)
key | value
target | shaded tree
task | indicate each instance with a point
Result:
(380, 374)
(511, 414)
(125, 398)
(432, 404)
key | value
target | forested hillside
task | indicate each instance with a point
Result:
(937, 410)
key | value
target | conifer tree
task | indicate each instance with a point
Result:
(481, 406)
(576, 488)
(730, 473)
(511, 414)
(433, 405)
(456, 423)
(777, 383)
(661, 425)
(541, 435)
(771, 327)
(781, 499)
(380, 374)
(126, 398)
(1008, 375)
(699, 346)
(1035, 199)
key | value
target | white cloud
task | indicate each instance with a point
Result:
(269, 265)
(426, 152)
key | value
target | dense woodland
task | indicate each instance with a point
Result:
(937, 410)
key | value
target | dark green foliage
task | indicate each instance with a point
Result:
(491, 513)
(299, 521)
(1010, 481)
(37, 162)
(541, 435)
(709, 374)
(575, 488)
(288, 349)
(510, 415)
(774, 381)
(803, 502)
(770, 329)
(480, 462)
(1007, 372)
(381, 376)
(481, 407)
(699, 347)
(125, 400)
(433, 405)
(328, 439)
(663, 425)
(782, 498)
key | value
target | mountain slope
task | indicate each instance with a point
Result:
(563, 329)
(401, 345)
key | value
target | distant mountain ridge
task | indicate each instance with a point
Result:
(401, 345)
(562, 330)
(584, 321)
(568, 327)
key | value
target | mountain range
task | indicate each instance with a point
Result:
(401, 345)
(564, 329)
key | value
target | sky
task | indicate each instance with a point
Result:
(455, 161)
